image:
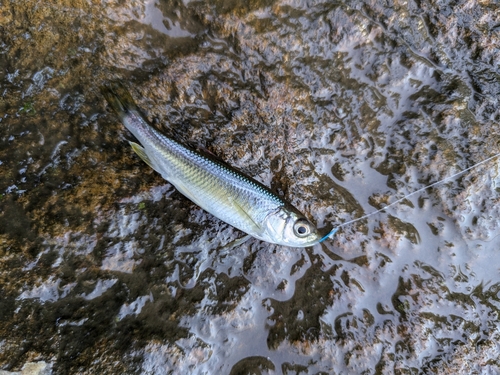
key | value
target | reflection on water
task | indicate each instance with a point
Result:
(340, 108)
(147, 13)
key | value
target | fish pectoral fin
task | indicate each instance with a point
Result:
(184, 190)
(256, 228)
(139, 150)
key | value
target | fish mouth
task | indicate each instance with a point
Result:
(311, 240)
(317, 239)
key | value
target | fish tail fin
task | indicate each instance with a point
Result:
(119, 99)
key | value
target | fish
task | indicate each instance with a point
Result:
(216, 187)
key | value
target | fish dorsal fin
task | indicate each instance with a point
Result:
(139, 150)
(210, 155)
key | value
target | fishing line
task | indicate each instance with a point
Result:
(334, 230)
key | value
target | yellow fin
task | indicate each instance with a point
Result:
(139, 150)
(257, 228)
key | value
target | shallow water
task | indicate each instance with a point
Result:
(342, 108)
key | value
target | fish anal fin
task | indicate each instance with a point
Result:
(139, 150)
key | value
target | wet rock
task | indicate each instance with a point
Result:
(343, 109)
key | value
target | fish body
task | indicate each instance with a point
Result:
(224, 192)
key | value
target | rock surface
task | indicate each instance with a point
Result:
(342, 108)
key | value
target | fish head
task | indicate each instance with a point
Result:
(286, 226)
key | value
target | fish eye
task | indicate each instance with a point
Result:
(302, 228)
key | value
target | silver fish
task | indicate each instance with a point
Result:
(226, 193)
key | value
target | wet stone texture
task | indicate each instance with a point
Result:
(341, 108)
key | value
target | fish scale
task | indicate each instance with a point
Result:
(226, 193)
(212, 183)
